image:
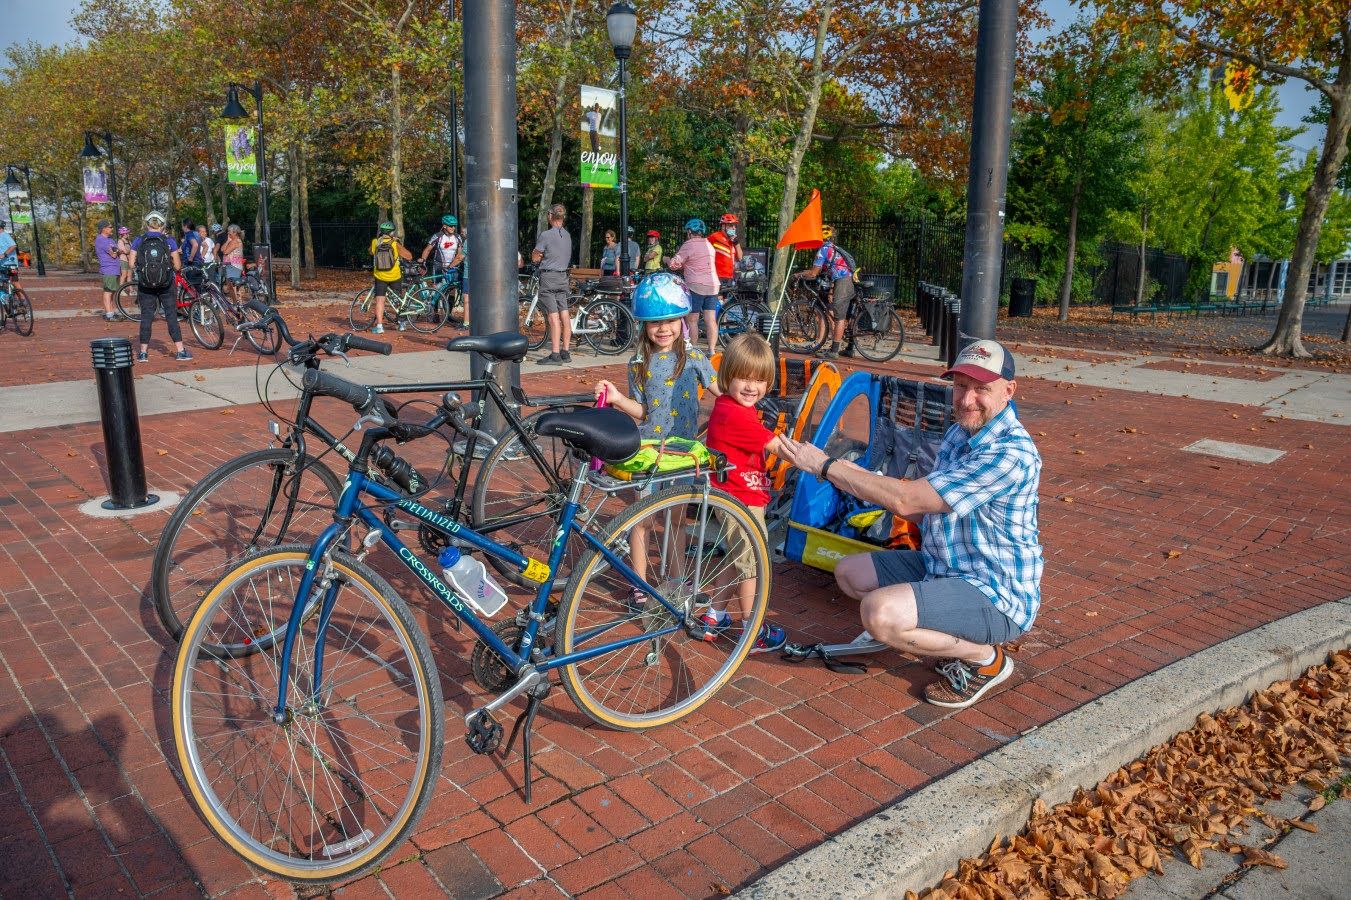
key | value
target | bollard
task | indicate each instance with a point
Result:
(121, 425)
(940, 319)
(953, 330)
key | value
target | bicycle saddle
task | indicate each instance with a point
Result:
(506, 345)
(607, 434)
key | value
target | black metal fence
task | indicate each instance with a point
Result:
(1116, 277)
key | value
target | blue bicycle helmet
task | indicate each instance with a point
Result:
(697, 226)
(450, 220)
(659, 297)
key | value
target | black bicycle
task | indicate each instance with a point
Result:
(286, 493)
(874, 328)
(14, 306)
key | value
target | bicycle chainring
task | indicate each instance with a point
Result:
(490, 670)
(429, 539)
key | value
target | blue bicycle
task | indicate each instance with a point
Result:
(307, 710)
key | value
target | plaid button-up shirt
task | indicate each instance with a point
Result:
(989, 479)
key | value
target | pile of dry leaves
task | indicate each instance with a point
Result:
(1194, 793)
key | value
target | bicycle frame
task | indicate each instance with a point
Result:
(351, 509)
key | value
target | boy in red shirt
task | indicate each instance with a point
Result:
(734, 429)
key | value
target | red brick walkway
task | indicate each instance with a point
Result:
(1152, 554)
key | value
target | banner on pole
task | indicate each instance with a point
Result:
(241, 154)
(96, 181)
(20, 212)
(599, 160)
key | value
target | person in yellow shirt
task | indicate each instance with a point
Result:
(387, 250)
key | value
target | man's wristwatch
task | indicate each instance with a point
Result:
(825, 468)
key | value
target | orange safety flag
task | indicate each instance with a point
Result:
(805, 232)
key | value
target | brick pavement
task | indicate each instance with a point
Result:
(784, 757)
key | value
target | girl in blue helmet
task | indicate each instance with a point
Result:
(664, 377)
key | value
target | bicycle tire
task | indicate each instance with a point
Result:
(348, 773)
(595, 606)
(21, 311)
(881, 344)
(803, 326)
(737, 318)
(361, 314)
(266, 341)
(615, 329)
(429, 312)
(128, 302)
(216, 511)
(205, 319)
(510, 487)
(533, 323)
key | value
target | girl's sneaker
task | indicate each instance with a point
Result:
(714, 626)
(142, 356)
(183, 355)
(772, 637)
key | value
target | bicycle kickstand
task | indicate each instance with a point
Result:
(524, 723)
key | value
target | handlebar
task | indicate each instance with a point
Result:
(364, 399)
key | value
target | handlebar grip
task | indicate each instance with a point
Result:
(357, 342)
(363, 399)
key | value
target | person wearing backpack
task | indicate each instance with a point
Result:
(387, 250)
(154, 259)
(839, 267)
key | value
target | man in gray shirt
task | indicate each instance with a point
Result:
(553, 253)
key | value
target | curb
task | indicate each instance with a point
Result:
(910, 845)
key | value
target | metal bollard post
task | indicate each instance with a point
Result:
(121, 424)
(953, 330)
(940, 319)
(922, 305)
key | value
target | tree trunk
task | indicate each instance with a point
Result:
(297, 249)
(588, 209)
(307, 233)
(224, 196)
(1073, 240)
(84, 246)
(396, 152)
(1144, 238)
(1286, 339)
(1271, 282)
(546, 193)
(208, 207)
(802, 141)
(58, 241)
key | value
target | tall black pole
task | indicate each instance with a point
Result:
(454, 137)
(987, 179)
(266, 245)
(33, 216)
(112, 180)
(491, 169)
(624, 267)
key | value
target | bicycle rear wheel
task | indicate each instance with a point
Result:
(427, 310)
(737, 318)
(267, 341)
(332, 789)
(21, 311)
(207, 327)
(128, 302)
(687, 551)
(882, 340)
(608, 327)
(254, 501)
(533, 323)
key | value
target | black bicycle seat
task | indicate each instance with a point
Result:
(503, 345)
(607, 434)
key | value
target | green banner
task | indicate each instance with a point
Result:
(599, 161)
(20, 212)
(241, 156)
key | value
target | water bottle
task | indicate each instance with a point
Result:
(472, 581)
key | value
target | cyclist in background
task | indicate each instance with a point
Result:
(387, 250)
(9, 255)
(154, 259)
(841, 274)
(694, 261)
(449, 247)
(726, 250)
(652, 255)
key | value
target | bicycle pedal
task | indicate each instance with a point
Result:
(484, 735)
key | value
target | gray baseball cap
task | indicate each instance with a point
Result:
(102, 224)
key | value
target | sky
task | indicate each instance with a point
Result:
(48, 22)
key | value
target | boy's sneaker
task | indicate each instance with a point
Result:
(377, 328)
(142, 356)
(964, 683)
(713, 626)
(636, 600)
(183, 355)
(553, 359)
(565, 356)
(771, 637)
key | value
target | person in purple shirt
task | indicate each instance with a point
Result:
(105, 251)
(148, 263)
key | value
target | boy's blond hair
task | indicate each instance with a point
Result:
(749, 356)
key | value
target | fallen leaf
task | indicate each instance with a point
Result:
(1078, 453)
(162, 452)
(71, 453)
(1255, 856)
(227, 412)
(1303, 825)
(721, 889)
(199, 378)
(1308, 446)
(1067, 499)
(1091, 615)
(1174, 554)
(1317, 803)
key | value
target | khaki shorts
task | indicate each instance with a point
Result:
(553, 291)
(841, 292)
(111, 283)
(742, 550)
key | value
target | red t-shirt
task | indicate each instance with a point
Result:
(735, 430)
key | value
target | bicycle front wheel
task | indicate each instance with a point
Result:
(332, 788)
(21, 311)
(882, 340)
(534, 324)
(690, 552)
(426, 312)
(362, 312)
(737, 318)
(128, 302)
(608, 327)
(267, 341)
(254, 501)
(207, 327)
(803, 327)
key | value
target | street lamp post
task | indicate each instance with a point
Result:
(92, 151)
(11, 181)
(454, 138)
(622, 23)
(235, 112)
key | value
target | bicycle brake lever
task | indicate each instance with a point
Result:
(341, 355)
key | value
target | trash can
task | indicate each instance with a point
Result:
(1021, 295)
